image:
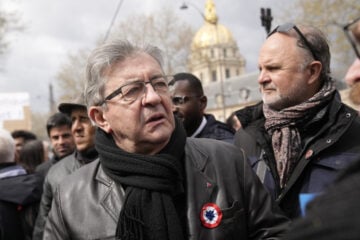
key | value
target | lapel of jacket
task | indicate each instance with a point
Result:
(201, 185)
(313, 148)
(112, 198)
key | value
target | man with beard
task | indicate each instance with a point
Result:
(58, 128)
(352, 77)
(303, 134)
(335, 214)
(151, 181)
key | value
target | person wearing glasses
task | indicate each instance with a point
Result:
(335, 214)
(304, 134)
(190, 103)
(151, 181)
(352, 77)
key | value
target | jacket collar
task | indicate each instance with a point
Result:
(113, 197)
(336, 113)
(200, 182)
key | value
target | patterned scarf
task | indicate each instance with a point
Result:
(151, 182)
(283, 127)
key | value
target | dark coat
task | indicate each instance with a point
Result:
(216, 130)
(88, 203)
(19, 202)
(44, 167)
(329, 145)
(335, 214)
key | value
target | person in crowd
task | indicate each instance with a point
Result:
(304, 134)
(352, 77)
(335, 214)
(247, 114)
(48, 151)
(32, 155)
(233, 122)
(19, 193)
(151, 181)
(83, 131)
(58, 129)
(190, 103)
(21, 137)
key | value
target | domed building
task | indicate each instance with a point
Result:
(215, 59)
(214, 53)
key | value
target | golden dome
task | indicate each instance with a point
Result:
(211, 33)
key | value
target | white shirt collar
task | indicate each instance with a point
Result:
(200, 128)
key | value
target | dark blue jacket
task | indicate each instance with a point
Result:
(329, 145)
(19, 202)
(216, 130)
(336, 213)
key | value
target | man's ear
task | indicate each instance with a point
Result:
(315, 70)
(96, 114)
(203, 102)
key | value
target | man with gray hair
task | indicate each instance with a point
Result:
(151, 181)
(303, 134)
(19, 193)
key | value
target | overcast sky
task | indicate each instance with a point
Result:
(53, 29)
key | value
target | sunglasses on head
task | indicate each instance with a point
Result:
(285, 28)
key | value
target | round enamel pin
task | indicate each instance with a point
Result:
(210, 215)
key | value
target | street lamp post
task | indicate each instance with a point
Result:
(266, 19)
(184, 6)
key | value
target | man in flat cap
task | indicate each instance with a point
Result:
(83, 132)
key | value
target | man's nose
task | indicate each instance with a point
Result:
(151, 96)
(264, 78)
(175, 108)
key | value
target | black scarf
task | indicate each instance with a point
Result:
(86, 156)
(151, 182)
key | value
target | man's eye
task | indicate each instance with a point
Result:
(160, 85)
(133, 91)
(273, 68)
(177, 100)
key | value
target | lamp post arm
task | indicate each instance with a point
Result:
(185, 6)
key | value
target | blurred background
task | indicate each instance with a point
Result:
(44, 46)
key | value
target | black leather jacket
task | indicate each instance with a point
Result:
(88, 203)
(55, 175)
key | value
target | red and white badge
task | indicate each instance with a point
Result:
(210, 215)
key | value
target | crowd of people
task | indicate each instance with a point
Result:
(136, 156)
